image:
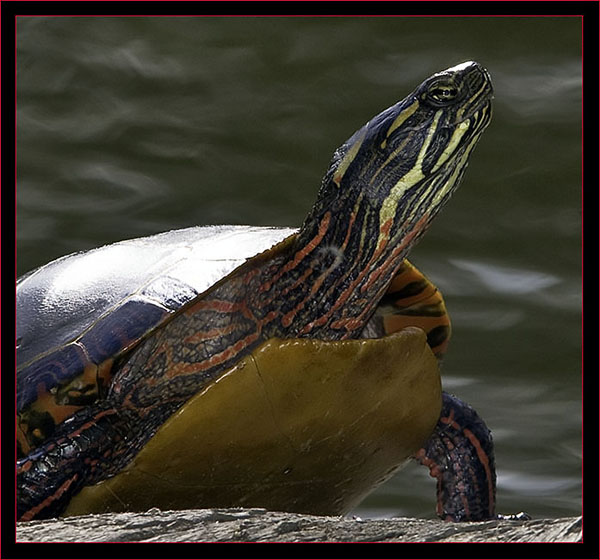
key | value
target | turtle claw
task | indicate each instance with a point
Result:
(521, 516)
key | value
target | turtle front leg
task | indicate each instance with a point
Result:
(460, 455)
(84, 449)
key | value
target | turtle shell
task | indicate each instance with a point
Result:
(298, 425)
(79, 313)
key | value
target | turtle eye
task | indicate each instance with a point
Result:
(442, 94)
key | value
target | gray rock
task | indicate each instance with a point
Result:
(259, 525)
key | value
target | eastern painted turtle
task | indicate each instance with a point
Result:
(233, 365)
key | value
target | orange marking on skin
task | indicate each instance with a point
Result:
(362, 317)
(483, 458)
(298, 258)
(28, 515)
(298, 282)
(429, 292)
(383, 267)
(427, 313)
(435, 472)
(250, 274)
(182, 368)
(265, 286)
(346, 240)
(429, 295)
(450, 420)
(195, 338)
(408, 238)
(386, 228)
(318, 282)
(441, 349)
(350, 289)
(402, 278)
(92, 422)
(349, 231)
(420, 454)
(24, 467)
(349, 323)
(309, 248)
(268, 318)
(465, 504)
(231, 351)
(384, 238)
(287, 319)
(214, 305)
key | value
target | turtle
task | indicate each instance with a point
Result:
(294, 369)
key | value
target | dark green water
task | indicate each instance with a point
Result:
(132, 126)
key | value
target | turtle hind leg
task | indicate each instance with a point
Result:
(460, 455)
(84, 449)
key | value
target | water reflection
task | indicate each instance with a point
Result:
(504, 280)
(532, 90)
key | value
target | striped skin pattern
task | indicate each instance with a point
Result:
(460, 456)
(412, 300)
(383, 188)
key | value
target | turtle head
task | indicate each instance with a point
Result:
(395, 173)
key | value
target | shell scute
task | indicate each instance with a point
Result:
(121, 328)
(49, 371)
(171, 292)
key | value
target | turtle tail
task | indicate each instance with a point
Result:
(84, 449)
(460, 455)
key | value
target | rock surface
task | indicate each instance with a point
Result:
(259, 525)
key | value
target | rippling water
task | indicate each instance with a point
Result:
(132, 126)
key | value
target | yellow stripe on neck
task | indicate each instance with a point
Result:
(413, 176)
(454, 141)
(399, 120)
(348, 158)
